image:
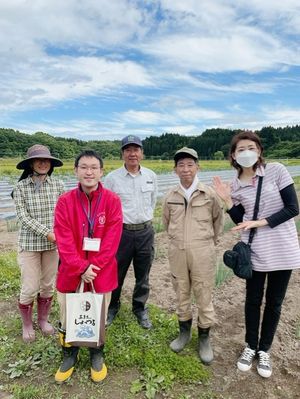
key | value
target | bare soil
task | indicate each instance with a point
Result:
(228, 333)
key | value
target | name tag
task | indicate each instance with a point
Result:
(91, 244)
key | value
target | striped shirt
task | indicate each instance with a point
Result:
(35, 211)
(277, 248)
(138, 193)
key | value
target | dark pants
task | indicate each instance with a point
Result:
(277, 283)
(135, 246)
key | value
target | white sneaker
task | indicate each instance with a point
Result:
(264, 367)
(245, 361)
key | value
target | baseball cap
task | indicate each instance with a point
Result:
(131, 140)
(185, 152)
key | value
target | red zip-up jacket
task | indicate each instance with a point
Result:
(71, 226)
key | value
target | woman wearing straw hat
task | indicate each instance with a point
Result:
(35, 197)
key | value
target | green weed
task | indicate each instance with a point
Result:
(150, 383)
(222, 274)
(29, 392)
(157, 219)
(228, 224)
(24, 366)
(9, 274)
(12, 225)
(297, 332)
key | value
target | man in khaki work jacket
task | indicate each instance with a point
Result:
(193, 218)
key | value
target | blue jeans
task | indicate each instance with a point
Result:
(276, 286)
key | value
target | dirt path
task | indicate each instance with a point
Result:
(228, 334)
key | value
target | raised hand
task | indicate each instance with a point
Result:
(222, 188)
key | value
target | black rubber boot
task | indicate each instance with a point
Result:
(184, 337)
(69, 359)
(98, 368)
(205, 350)
(111, 315)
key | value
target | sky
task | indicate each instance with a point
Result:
(102, 69)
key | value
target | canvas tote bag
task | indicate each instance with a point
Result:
(85, 324)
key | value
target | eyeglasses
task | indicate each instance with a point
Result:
(85, 168)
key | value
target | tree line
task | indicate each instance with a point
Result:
(211, 144)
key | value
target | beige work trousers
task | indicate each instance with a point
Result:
(38, 272)
(61, 299)
(193, 272)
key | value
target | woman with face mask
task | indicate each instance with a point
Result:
(275, 247)
(35, 197)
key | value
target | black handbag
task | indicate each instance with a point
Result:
(239, 258)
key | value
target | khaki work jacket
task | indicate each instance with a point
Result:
(193, 222)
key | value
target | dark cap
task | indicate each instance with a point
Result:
(38, 151)
(185, 152)
(131, 140)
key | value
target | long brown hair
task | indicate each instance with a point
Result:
(245, 135)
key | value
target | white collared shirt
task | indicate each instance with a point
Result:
(138, 193)
(189, 191)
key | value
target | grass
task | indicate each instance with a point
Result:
(144, 355)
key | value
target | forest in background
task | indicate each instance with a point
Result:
(211, 144)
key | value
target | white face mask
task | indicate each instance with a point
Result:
(247, 158)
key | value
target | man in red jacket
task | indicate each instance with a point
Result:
(88, 226)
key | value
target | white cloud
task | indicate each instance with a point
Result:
(245, 50)
(280, 115)
(185, 130)
(65, 78)
(71, 23)
(143, 117)
(84, 129)
(199, 114)
(171, 64)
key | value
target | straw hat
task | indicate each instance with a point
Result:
(38, 151)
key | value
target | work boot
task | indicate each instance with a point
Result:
(205, 350)
(43, 310)
(98, 368)
(143, 319)
(26, 314)
(69, 359)
(111, 314)
(185, 335)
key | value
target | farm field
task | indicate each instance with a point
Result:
(140, 363)
(8, 165)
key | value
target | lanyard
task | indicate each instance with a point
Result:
(91, 220)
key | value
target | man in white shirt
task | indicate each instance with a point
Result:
(137, 188)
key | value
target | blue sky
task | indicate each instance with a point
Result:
(102, 69)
